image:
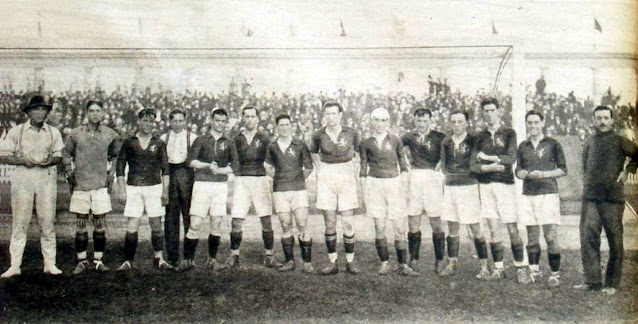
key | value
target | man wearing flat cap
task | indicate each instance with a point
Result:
(35, 148)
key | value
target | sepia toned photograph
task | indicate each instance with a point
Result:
(319, 161)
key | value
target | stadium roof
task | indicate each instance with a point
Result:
(541, 26)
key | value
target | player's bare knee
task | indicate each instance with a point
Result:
(155, 223)
(453, 228)
(331, 223)
(216, 225)
(99, 223)
(414, 223)
(80, 224)
(266, 223)
(236, 224)
(476, 230)
(133, 225)
(348, 226)
(533, 234)
(435, 224)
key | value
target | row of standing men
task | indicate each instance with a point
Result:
(457, 179)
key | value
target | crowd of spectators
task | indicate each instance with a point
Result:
(565, 115)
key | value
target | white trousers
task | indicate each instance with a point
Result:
(28, 187)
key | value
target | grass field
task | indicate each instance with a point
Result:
(255, 294)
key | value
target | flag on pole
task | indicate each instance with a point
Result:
(597, 25)
(343, 30)
(494, 31)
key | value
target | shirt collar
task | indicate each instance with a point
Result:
(44, 126)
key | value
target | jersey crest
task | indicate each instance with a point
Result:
(461, 149)
(257, 142)
(498, 142)
(152, 148)
(540, 152)
(291, 152)
(342, 143)
(222, 146)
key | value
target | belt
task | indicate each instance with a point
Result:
(173, 166)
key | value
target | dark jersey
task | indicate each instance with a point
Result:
(145, 166)
(502, 144)
(341, 151)
(457, 161)
(604, 156)
(206, 149)
(384, 158)
(425, 151)
(547, 156)
(289, 165)
(250, 156)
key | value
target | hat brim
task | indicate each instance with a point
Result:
(27, 108)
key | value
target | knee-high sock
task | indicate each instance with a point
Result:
(81, 245)
(235, 240)
(306, 250)
(399, 246)
(414, 244)
(99, 244)
(213, 244)
(453, 246)
(190, 245)
(497, 251)
(481, 248)
(382, 249)
(130, 246)
(269, 239)
(554, 261)
(157, 239)
(438, 240)
(348, 243)
(518, 251)
(288, 245)
(534, 254)
(331, 243)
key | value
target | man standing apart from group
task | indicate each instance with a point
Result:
(145, 190)
(178, 142)
(425, 188)
(495, 155)
(384, 188)
(288, 161)
(336, 146)
(604, 156)
(251, 187)
(35, 148)
(87, 152)
(540, 161)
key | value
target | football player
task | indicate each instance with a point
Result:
(211, 157)
(495, 154)
(334, 147)
(251, 187)
(461, 203)
(145, 190)
(288, 162)
(87, 151)
(426, 187)
(384, 188)
(540, 161)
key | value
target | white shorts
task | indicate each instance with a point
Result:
(209, 198)
(540, 210)
(384, 198)
(95, 201)
(498, 200)
(337, 187)
(287, 201)
(461, 204)
(144, 198)
(426, 192)
(255, 190)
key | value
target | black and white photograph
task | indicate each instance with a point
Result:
(318, 161)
